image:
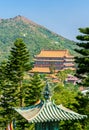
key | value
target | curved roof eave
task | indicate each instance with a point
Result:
(48, 111)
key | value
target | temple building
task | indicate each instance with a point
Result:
(46, 115)
(72, 79)
(53, 60)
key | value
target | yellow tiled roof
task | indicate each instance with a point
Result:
(41, 69)
(69, 68)
(68, 64)
(45, 69)
(54, 53)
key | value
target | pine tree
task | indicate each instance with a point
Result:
(82, 60)
(32, 95)
(82, 72)
(18, 63)
(6, 97)
(12, 80)
(34, 90)
(3, 82)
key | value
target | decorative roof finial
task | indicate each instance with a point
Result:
(46, 92)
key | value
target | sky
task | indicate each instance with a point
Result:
(63, 17)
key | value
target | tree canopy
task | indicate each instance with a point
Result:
(12, 83)
(82, 60)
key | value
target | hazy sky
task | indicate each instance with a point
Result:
(63, 17)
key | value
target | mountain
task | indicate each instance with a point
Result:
(35, 36)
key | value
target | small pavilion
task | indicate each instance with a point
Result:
(46, 114)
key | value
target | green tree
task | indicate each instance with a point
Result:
(34, 90)
(74, 101)
(52, 69)
(32, 95)
(82, 71)
(64, 96)
(62, 75)
(3, 103)
(7, 89)
(82, 60)
(18, 63)
(12, 80)
(83, 108)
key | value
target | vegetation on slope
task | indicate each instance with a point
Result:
(35, 36)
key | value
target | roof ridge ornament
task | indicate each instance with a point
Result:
(47, 93)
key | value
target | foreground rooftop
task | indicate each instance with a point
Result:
(47, 111)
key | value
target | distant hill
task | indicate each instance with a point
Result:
(35, 36)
